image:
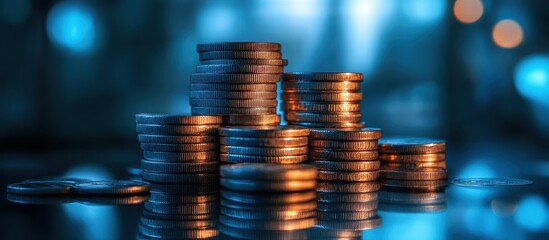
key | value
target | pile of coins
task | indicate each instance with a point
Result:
(180, 211)
(238, 78)
(179, 149)
(421, 160)
(322, 99)
(346, 155)
(264, 144)
(267, 201)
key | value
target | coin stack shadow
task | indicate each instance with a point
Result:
(264, 144)
(322, 99)
(179, 149)
(413, 162)
(180, 211)
(267, 201)
(345, 209)
(239, 80)
(345, 155)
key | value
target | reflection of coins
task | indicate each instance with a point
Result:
(161, 223)
(397, 197)
(286, 225)
(265, 215)
(490, 182)
(426, 185)
(240, 233)
(266, 186)
(345, 187)
(412, 158)
(269, 171)
(419, 166)
(170, 233)
(356, 225)
(262, 151)
(348, 176)
(347, 207)
(320, 154)
(433, 174)
(353, 166)
(256, 198)
(411, 145)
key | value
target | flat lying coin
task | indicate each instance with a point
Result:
(347, 134)
(265, 142)
(175, 119)
(329, 97)
(234, 78)
(276, 62)
(112, 200)
(269, 87)
(181, 147)
(281, 225)
(411, 145)
(320, 117)
(263, 151)
(348, 176)
(280, 198)
(345, 187)
(303, 85)
(233, 103)
(238, 46)
(322, 154)
(232, 95)
(232, 110)
(181, 178)
(40, 188)
(490, 182)
(181, 156)
(157, 129)
(183, 167)
(323, 76)
(264, 131)
(354, 166)
(408, 175)
(328, 125)
(226, 68)
(251, 120)
(264, 171)
(320, 106)
(344, 145)
(267, 186)
(412, 158)
(177, 139)
(239, 55)
(238, 158)
(112, 187)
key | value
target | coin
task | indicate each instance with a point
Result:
(303, 206)
(262, 151)
(265, 142)
(347, 134)
(240, 233)
(175, 119)
(238, 46)
(347, 207)
(174, 233)
(269, 87)
(344, 145)
(256, 198)
(190, 209)
(176, 129)
(412, 158)
(408, 175)
(266, 171)
(180, 199)
(232, 95)
(490, 182)
(347, 197)
(411, 145)
(328, 125)
(232, 110)
(179, 147)
(266, 215)
(346, 187)
(112, 187)
(322, 154)
(300, 86)
(227, 68)
(112, 200)
(40, 188)
(276, 62)
(180, 178)
(424, 198)
(320, 117)
(323, 76)
(355, 225)
(234, 78)
(183, 188)
(184, 167)
(320, 106)
(328, 97)
(239, 158)
(264, 131)
(418, 166)
(251, 120)
(353, 166)
(418, 185)
(233, 103)
(181, 156)
(167, 224)
(348, 176)
(239, 55)
(267, 186)
(178, 217)
(176, 139)
(280, 225)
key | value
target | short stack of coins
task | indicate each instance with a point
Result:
(346, 207)
(238, 79)
(178, 148)
(180, 211)
(345, 155)
(413, 162)
(322, 99)
(267, 201)
(264, 144)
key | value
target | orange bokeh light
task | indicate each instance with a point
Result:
(468, 11)
(507, 34)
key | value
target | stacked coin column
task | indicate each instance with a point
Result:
(267, 201)
(239, 81)
(179, 149)
(264, 144)
(322, 100)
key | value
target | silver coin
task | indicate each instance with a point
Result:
(490, 182)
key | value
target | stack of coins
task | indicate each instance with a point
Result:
(264, 144)
(322, 99)
(267, 201)
(180, 211)
(238, 78)
(421, 160)
(179, 149)
(347, 155)
(347, 206)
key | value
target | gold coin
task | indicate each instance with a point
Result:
(343, 145)
(418, 166)
(320, 117)
(354, 166)
(320, 107)
(347, 134)
(348, 176)
(302, 85)
(238, 158)
(436, 174)
(323, 76)
(251, 120)
(265, 142)
(329, 97)
(264, 131)
(233, 103)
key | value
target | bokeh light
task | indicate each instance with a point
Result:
(507, 34)
(468, 11)
(532, 78)
(15, 11)
(72, 25)
(425, 11)
(532, 213)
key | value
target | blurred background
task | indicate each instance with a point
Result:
(476, 73)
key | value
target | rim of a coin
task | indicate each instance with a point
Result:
(368, 133)
(108, 187)
(491, 182)
(176, 119)
(264, 131)
(238, 46)
(266, 171)
(323, 76)
(411, 145)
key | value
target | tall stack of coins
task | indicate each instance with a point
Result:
(413, 159)
(322, 99)
(179, 149)
(347, 155)
(264, 144)
(180, 211)
(267, 201)
(238, 78)
(347, 207)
